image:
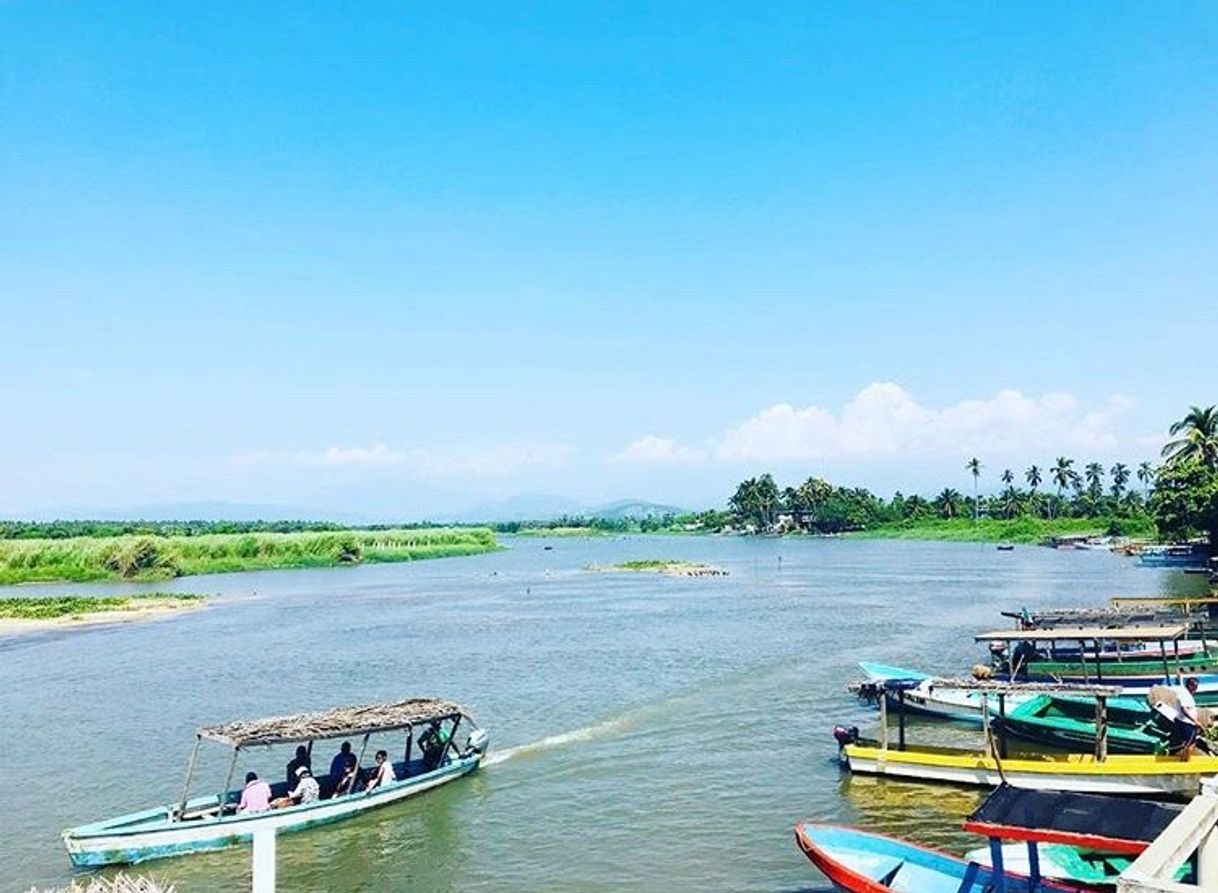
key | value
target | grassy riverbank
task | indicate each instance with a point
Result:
(1016, 530)
(81, 559)
(77, 606)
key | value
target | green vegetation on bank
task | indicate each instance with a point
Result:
(162, 557)
(1016, 530)
(1176, 501)
(55, 607)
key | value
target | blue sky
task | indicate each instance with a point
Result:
(407, 257)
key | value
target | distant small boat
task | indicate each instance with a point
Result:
(212, 822)
(1006, 547)
(864, 862)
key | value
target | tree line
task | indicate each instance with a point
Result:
(1180, 495)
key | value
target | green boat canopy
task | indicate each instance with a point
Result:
(360, 720)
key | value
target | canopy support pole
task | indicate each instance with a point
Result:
(1101, 728)
(1000, 875)
(358, 760)
(884, 720)
(900, 719)
(1002, 716)
(190, 774)
(1166, 668)
(1033, 865)
(228, 781)
(452, 738)
(409, 748)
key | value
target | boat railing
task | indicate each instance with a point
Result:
(1194, 831)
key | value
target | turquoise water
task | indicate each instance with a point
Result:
(649, 733)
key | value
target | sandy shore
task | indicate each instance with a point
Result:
(142, 610)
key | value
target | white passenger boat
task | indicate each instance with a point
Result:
(448, 746)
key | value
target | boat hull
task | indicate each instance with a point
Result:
(1154, 776)
(139, 837)
(863, 862)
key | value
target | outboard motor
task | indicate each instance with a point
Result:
(479, 741)
(845, 735)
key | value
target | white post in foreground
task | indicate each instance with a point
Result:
(1192, 831)
(264, 861)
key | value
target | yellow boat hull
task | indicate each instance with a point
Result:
(1137, 774)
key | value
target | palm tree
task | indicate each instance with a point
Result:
(1032, 476)
(974, 466)
(1120, 477)
(1094, 472)
(1007, 477)
(947, 503)
(1200, 440)
(915, 507)
(1146, 474)
(1060, 472)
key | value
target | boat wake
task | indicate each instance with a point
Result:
(550, 742)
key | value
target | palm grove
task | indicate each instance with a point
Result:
(1180, 496)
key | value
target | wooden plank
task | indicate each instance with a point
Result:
(1154, 871)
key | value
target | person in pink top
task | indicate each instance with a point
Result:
(256, 797)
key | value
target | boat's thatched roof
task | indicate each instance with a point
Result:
(334, 723)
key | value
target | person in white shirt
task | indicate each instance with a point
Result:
(1184, 723)
(306, 791)
(383, 775)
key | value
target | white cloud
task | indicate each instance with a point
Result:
(421, 462)
(653, 450)
(884, 420)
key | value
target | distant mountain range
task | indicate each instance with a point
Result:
(523, 507)
(545, 507)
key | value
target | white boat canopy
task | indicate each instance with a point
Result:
(361, 720)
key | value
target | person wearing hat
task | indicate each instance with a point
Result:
(306, 791)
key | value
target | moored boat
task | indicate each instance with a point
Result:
(865, 862)
(1069, 723)
(1078, 838)
(1095, 772)
(1125, 774)
(449, 746)
(927, 698)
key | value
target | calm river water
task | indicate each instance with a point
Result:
(649, 733)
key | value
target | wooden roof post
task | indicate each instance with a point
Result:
(190, 774)
(1101, 728)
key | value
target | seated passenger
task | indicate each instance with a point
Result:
(433, 743)
(306, 791)
(302, 758)
(338, 765)
(256, 795)
(347, 777)
(383, 775)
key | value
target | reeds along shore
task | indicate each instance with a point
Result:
(161, 557)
